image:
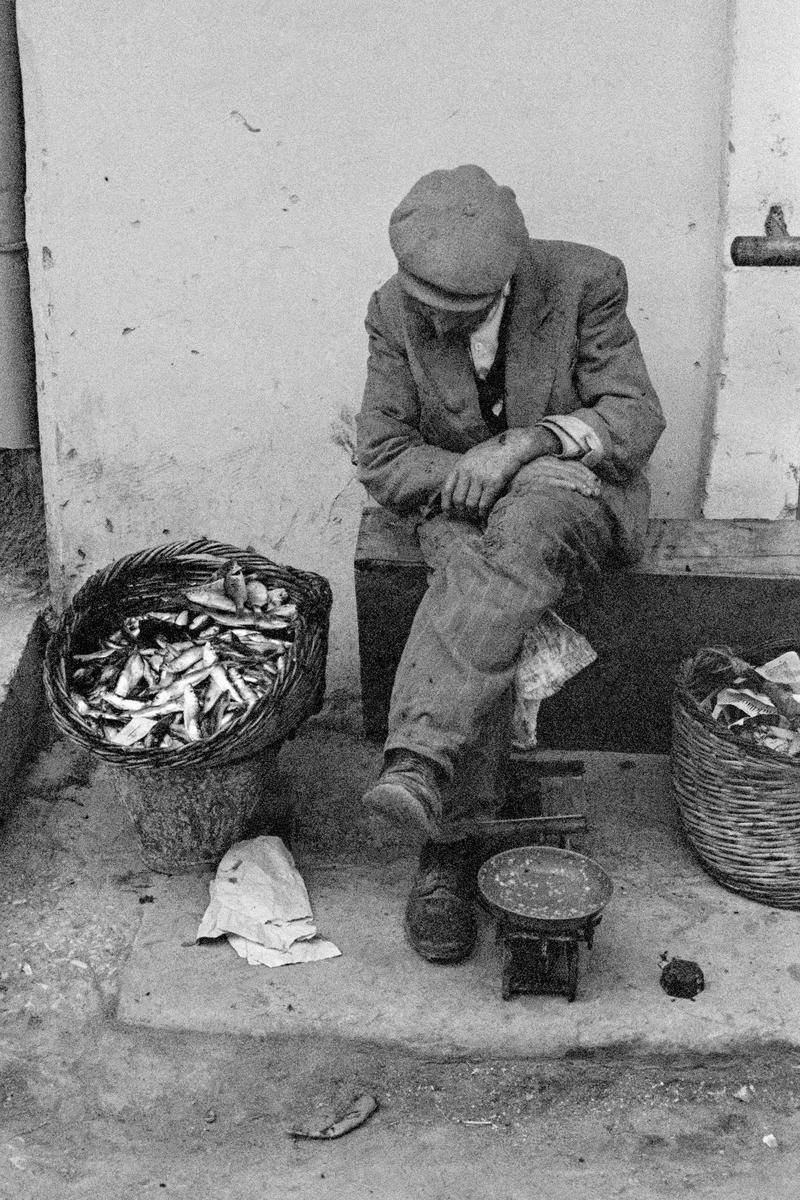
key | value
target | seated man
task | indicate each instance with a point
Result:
(508, 405)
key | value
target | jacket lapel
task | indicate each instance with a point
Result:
(445, 377)
(532, 346)
(443, 368)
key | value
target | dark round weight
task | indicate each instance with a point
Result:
(682, 978)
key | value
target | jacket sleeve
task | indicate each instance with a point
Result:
(395, 464)
(619, 402)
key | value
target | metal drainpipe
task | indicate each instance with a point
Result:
(18, 425)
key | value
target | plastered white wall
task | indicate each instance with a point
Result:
(209, 191)
(755, 465)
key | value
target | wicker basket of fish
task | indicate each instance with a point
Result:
(184, 668)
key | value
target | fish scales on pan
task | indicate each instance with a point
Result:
(165, 678)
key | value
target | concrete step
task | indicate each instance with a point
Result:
(381, 991)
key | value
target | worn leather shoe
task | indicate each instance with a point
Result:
(408, 794)
(440, 918)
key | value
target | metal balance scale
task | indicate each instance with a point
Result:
(547, 899)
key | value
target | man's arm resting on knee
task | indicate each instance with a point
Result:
(479, 477)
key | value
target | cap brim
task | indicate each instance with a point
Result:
(435, 297)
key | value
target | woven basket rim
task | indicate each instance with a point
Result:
(302, 684)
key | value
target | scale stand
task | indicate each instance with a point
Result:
(545, 805)
(542, 965)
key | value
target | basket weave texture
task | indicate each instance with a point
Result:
(739, 803)
(157, 579)
(189, 817)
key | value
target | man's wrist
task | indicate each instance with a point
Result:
(531, 443)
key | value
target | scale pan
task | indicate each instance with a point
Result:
(542, 887)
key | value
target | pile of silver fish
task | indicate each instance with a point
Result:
(164, 679)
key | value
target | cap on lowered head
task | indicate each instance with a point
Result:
(457, 237)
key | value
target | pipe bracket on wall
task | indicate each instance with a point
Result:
(776, 249)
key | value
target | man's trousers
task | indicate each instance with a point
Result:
(488, 587)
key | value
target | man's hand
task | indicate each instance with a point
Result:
(478, 479)
(566, 473)
(481, 475)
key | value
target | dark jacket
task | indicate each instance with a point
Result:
(570, 348)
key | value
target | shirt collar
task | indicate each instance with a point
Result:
(484, 340)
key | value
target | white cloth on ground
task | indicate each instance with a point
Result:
(259, 900)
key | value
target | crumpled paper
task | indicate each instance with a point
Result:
(259, 901)
(552, 653)
(740, 707)
(783, 669)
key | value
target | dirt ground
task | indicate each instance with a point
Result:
(90, 1108)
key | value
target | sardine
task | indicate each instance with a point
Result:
(191, 714)
(287, 612)
(131, 674)
(136, 729)
(162, 710)
(171, 650)
(210, 599)
(208, 635)
(216, 714)
(257, 594)
(225, 720)
(122, 703)
(255, 640)
(235, 586)
(242, 687)
(176, 689)
(189, 658)
(84, 708)
(265, 623)
(98, 655)
(219, 677)
(150, 677)
(277, 596)
(213, 693)
(177, 730)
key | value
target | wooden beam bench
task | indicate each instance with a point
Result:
(700, 583)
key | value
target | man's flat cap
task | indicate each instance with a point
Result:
(457, 237)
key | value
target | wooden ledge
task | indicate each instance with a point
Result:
(742, 548)
(735, 548)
